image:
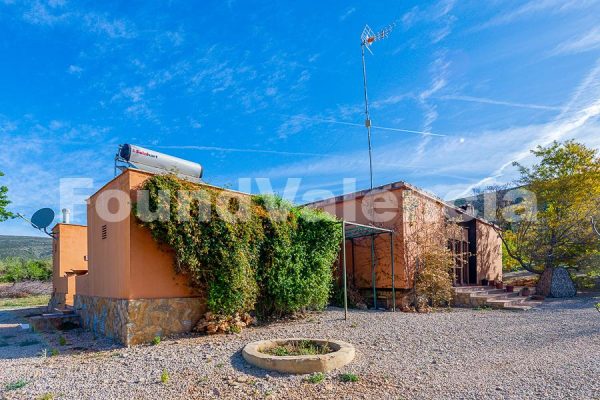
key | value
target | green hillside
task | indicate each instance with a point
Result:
(25, 247)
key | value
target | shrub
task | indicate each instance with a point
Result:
(277, 259)
(19, 269)
(164, 377)
(301, 348)
(433, 281)
(348, 377)
(317, 377)
(16, 385)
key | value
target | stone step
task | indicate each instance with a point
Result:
(478, 296)
(64, 311)
(497, 295)
(53, 322)
(518, 308)
(503, 303)
(464, 289)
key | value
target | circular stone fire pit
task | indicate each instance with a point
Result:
(341, 354)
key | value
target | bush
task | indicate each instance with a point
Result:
(349, 377)
(276, 259)
(433, 281)
(164, 376)
(317, 377)
(19, 269)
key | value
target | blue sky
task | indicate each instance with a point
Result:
(251, 89)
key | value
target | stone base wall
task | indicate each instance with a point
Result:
(57, 300)
(139, 320)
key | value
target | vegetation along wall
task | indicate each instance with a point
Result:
(245, 252)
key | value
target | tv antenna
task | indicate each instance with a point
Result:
(367, 38)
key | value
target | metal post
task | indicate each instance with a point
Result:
(353, 264)
(373, 274)
(368, 125)
(344, 270)
(393, 273)
(367, 117)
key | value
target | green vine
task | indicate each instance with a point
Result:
(274, 258)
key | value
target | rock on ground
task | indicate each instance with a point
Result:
(562, 285)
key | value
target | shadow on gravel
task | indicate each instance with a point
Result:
(238, 363)
(583, 301)
(16, 342)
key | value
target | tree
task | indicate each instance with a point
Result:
(553, 229)
(4, 202)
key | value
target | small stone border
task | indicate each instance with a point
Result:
(341, 355)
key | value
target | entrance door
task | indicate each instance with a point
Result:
(460, 252)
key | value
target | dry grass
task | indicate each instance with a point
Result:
(31, 301)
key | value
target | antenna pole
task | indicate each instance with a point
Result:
(367, 117)
(366, 39)
(368, 126)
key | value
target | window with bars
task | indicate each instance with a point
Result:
(104, 232)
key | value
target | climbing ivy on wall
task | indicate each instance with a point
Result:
(245, 252)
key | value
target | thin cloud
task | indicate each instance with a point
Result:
(237, 150)
(383, 128)
(535, 7)
(347, 13)
(57, 13)
(484, 100)
(74, 70)
(587, 42)
(587, 99)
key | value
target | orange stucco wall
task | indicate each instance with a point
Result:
(151, 268)
(128, 263)
(109, 273)
(356, 209)
(489, 253)
(415, 212)
(69, 250)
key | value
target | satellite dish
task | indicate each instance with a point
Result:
(42, 218)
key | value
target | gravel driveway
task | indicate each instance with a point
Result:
(552, 352)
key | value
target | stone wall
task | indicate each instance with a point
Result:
(57, 300)
(140, 320)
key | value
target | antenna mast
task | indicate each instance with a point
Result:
(367, 38)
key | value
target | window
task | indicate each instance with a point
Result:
(104, 234)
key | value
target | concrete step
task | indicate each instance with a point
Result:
(64, 311)
(469, 289)
(53, 322)
(497, 294)
(478, 296)
(518, 308)
(503, 303)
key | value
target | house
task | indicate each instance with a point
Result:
(409, 212)
(123, 285)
